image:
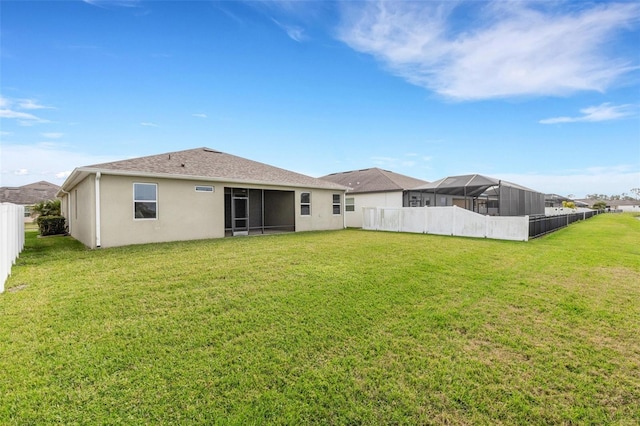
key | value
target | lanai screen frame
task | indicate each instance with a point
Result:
(512, 199)
(270, 210)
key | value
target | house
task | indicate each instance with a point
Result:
(372, 188)
(481, 194)
(193, 194)
(555, 200)
(28, 195)
(615, 205)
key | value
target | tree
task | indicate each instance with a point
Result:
(599, 205)
(636, 191)
(46, 208)
(49, 217)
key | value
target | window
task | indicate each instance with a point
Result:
(305, 203)
(27, 211)
(336, 204)
(145, 200)
(350, 204)
(204, 188)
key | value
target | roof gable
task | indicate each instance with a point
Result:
(207, 163)
(373, 180)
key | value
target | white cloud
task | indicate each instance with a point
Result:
(107, 3)
(11, 109)
(52, 135)
(7, 113)
(24, 164)
(23, 118)
(396, 164)
(602, 112)
(31, 104)
(294, 32)
(508, 49)
(147, 124)
(200, 115)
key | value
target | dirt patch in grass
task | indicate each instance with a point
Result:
(17, 288)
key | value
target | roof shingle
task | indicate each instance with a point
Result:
(373, 180)
(29, 194)
(209, 163)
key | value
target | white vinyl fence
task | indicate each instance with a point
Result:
(450, 220)
(11, 238)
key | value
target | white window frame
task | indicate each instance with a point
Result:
(204, 188)
(338, 204)
(145, 201)
(305, 204)
(350, 204)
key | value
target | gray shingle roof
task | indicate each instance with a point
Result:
(373, 180)
(212, 164)
(29, 194)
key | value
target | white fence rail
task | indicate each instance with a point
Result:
(11, 238)
(450, 220)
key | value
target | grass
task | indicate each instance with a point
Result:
(346, 327)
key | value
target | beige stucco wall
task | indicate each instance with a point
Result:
(379, 199)
(78, 208)
(183, 213)
(321, 217)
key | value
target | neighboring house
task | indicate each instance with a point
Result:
(372, 188)
(555, 205)
(481, 194)
(615, 205)
(193, 194)
(28, 195)
(555, 200)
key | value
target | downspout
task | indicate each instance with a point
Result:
(98, 242)
(344, 210)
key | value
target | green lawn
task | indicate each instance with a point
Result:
(345, 327)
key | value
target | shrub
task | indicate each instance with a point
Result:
(48, 217)
(51, 225)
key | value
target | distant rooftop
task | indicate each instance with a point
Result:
(373, 180)
(30, 194)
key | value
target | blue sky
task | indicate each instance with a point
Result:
(544, 94)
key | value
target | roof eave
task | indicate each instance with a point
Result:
(80, 173)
